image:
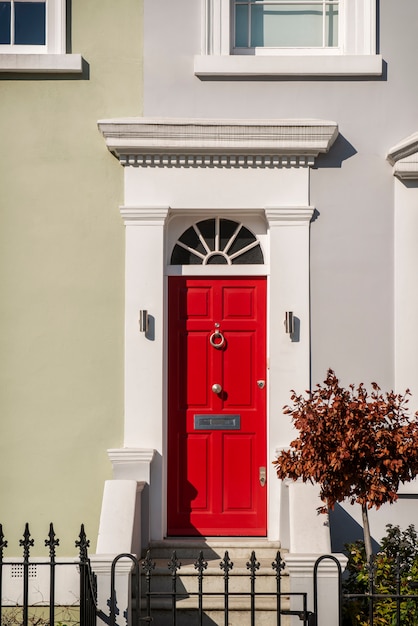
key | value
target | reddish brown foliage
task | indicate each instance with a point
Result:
(352, 443)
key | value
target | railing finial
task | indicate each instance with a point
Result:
(83, 543)
(26, 543)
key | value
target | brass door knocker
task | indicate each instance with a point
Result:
(217, 340)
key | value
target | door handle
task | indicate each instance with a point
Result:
(216, 388)
(262, 476)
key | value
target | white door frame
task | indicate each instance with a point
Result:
(251, 170)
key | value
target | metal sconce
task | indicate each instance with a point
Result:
(289, 322)
(143, 321)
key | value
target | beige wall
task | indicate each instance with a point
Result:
(62, 279)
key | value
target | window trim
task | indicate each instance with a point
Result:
(355, 56)
(50, 57)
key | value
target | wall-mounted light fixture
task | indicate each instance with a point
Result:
(143, 321)
(289, 322)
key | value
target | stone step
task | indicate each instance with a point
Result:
(187, 583)
(213, 549)
(239, 552)
(216, 617)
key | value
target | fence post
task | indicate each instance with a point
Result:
(322, 558)
(86, 612)
(3, 544)
(51, 543)
(136, 594)
(26, 543)
(226, 565)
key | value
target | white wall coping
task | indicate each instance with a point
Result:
(188, 136)
(303, 564)
(102, 563)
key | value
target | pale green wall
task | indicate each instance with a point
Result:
(62, 279)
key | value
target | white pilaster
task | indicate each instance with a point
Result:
(144, 354)
(289, 359)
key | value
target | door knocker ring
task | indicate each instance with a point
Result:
(214, 339)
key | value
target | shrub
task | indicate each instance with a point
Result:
(392, 571)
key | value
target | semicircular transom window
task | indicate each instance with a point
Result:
(217, 241)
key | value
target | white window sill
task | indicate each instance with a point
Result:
(235, 66)
(41, 63)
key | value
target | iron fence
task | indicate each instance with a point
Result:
(24, 569)
(390, 608)
(147, 601)
(147, 598)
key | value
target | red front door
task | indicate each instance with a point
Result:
(217, 406)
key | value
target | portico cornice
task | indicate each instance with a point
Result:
(217, 143)
(404, 158)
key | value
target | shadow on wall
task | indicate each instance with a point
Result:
(344, 529)
(340, 151)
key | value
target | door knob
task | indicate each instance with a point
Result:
(216, 388)
(262, 475)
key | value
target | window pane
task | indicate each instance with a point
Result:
(241, 26)
(30, 23)
(190, 238)
(286, 25)
(244, 238)
(217, 259)
(207, 230)
(181, 256)
(331, 32)
(226, 230)
(250, 257)
(5, 22)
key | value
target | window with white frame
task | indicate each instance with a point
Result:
(22, 23)
(288, 37)
(32, 37)
(285, 24)
(32, 26)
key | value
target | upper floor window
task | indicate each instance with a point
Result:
(263, 38)
(32, 37)
(22, 23)
(285, 24)
(32, 26)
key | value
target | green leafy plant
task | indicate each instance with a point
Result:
(394, 568)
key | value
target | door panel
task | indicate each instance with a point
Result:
(238, 373)
(197, 358)
(194, 465)
(216, 441)
(238, 466)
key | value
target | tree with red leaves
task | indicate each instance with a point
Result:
(355, 444)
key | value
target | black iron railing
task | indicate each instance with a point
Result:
(148, 599)
(153, 599)
(85, 613)
(383, 609)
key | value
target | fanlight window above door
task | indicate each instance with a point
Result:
(217, 241)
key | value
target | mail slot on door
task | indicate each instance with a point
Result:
(217, 422)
